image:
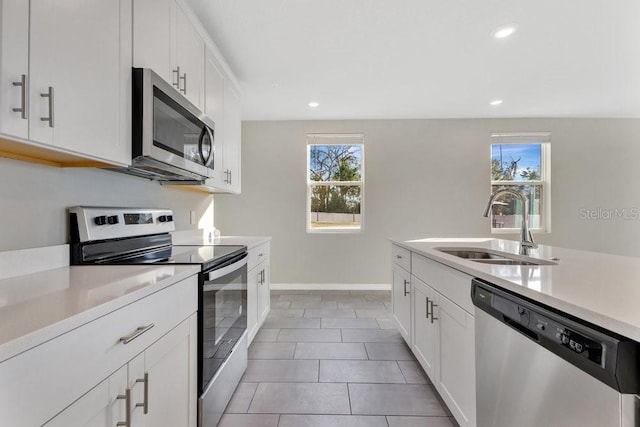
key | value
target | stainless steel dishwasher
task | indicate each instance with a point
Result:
(536, 366)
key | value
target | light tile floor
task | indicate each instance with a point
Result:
(333, 358)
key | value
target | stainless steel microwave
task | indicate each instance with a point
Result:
(172, 139)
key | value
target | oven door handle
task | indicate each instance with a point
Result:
(221, 272)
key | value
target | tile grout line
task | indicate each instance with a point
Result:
(349, 397)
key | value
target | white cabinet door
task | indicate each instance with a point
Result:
(80, 66)
(103, 406)
(14, 67)
(170, 365)
(153, 37)
(425, 330)
(232, 139)
(264, 293)
(455, 379)
(401, 300)
(253, 280)
(190, 59)
(214, 109)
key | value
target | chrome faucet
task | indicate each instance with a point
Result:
(526, 238)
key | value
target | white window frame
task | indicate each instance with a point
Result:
(544, 139)
(335, 139)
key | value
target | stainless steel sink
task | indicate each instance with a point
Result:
(489, 256)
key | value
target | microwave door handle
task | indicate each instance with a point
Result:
(221, 272)
(205, 131)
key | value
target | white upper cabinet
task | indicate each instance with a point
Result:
(189, 63)
(65, 80)
(232, 139)
(223, 106)
(214, 109)
(165, 40)
(154, 37)
(14, 67)
(80, 84)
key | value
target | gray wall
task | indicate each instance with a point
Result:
(428, 178)
(34, 198)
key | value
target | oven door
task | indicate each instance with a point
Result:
(222, 337)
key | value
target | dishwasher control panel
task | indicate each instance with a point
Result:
(563, 335)
(612, 358)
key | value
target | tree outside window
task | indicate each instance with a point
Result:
(335, 180)
(520, 162)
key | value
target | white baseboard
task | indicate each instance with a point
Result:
(332, 286)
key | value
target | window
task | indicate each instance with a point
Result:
(335, 183)
(521, 162)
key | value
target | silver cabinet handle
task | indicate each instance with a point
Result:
(184, 83)
(406, 282)
(177, 82)
(135, 334)
(427, 306)
(399, 256)
(230, 176)
(260, 254)
(145, 403)
(127, 405)
(432, 316)
(23, 96)
(49, 95)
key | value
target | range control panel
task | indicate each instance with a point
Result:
(102, 223)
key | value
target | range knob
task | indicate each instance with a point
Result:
(113, 219)
(100, 220)
(162, 218)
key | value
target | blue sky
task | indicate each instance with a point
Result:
(529, 155)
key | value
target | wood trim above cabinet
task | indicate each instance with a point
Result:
(29, 151)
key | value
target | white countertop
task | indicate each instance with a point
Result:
(205, 237)
(600, 288)
(37, 307)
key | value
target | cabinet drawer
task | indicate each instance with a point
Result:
(401, 256)
(258, 254)
(451, 283)
(40, 382)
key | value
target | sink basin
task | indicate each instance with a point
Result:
(506, 261)
(489, 256)
(476, 254)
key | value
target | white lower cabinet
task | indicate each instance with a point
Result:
(264, 292)
(455, 349)
(170, 368)
(146, 349)
(258, 288)
(443, 343)
(425, 330)
(401, 301)
(441, 328)
(102, 406)
(156, 388)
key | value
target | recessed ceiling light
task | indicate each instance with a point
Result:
(496, 102)
(313, 104)
(504, 31)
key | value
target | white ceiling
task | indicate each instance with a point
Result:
(364, 59)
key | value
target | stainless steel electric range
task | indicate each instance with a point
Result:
(126, 236)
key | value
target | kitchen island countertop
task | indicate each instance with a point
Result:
(600, 288)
